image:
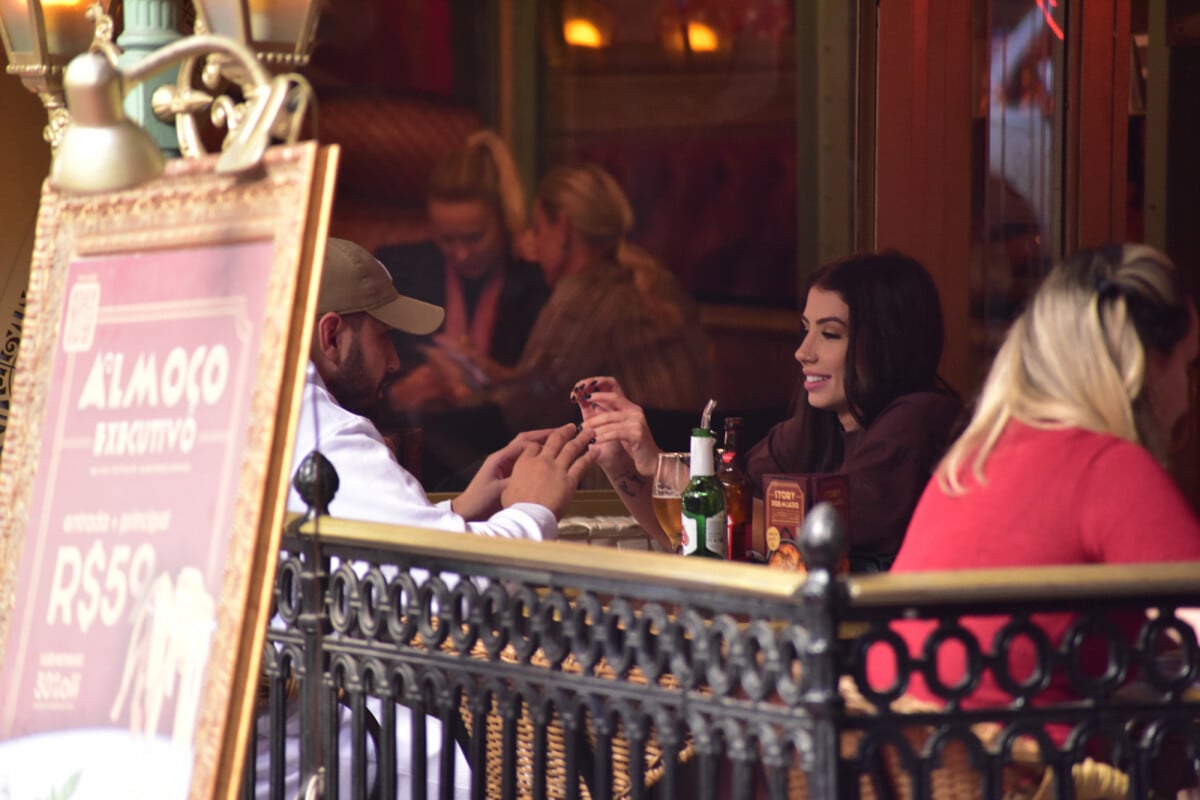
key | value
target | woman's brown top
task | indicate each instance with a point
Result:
(887, 464)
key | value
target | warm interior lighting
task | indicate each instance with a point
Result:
(582, 33)
(277, 20)
(68, 29)
(702, 38)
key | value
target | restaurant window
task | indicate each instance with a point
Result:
(692, 107)
(734, 140)
(731, 125)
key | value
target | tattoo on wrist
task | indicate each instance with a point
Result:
(630, 484)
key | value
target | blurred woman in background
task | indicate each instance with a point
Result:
(475, 265)
(614, 310)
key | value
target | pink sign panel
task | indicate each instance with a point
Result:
(134, 495)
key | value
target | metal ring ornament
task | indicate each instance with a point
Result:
(287, 590)
(1043, 670)
(1118, 656)
(551, 625)
(770, 745)
(402, 612)
(271, 656)
(619, 626)
(722, 663)
(403, 684)
(1155, 667)
(882, 635)
(435, 689)
(667, 729)
(943, 737)
(690, 638)
(291, 658)
(464, 629)
(1007, 739)
(759, 656)
(372, 602)
(871, 748)
(739, 745)
(343, 598)
(342, 673)
(523, 605)
(492, 608)
(652, 641)
(375, 677)
(792, 646)
(948, 632)
(581, 627)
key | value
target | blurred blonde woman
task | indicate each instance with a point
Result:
(475, 263)
(1062, 462)
(614, 309)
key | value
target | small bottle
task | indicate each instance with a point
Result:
(704, 525)
(739, 492)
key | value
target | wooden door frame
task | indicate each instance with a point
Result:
(924, 75)
(923, 151)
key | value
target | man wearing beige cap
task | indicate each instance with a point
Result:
(519, 491)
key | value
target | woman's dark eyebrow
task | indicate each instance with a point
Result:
(823, 320)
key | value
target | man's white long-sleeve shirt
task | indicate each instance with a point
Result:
(374, 487)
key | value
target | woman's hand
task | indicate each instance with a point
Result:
(437, 384)
(477, 368)
(624, 447)
(618, 426)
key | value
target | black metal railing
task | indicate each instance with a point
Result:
(559, 670)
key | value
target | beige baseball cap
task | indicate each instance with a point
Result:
(353, 280)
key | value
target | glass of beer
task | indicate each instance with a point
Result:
(670, 479)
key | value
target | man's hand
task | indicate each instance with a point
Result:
(481, 498)
(548, 474)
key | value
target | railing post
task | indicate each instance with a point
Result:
(822, 541)
(317, 482)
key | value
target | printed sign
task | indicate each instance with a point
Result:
(151, 390)
(141, 490)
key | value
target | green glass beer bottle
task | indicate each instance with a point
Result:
(704, 524)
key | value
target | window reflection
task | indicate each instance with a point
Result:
(691, 106)
(1017, 219)
(726, 135)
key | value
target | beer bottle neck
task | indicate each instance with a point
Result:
(702, 452)
(731, 452)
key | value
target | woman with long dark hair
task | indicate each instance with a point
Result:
(871, 404)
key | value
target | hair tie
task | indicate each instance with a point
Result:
(1107, 289)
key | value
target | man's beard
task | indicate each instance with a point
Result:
(356, 393)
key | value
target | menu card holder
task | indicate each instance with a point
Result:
(787, 499)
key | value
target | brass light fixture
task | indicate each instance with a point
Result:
(39, 39)
(101, 149)
(279, 31)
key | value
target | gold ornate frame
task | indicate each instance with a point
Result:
(287, 203)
